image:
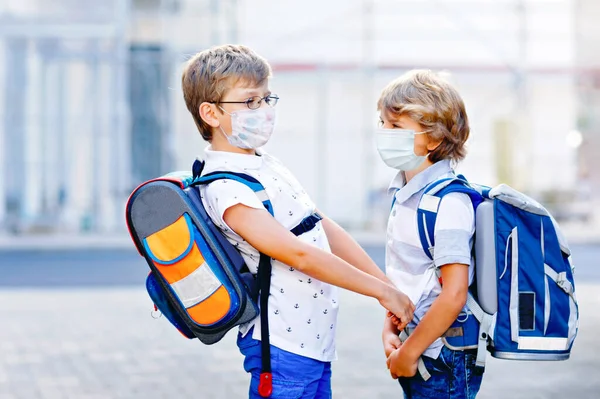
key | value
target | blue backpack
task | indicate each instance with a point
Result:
(523, 298)
(198, 280)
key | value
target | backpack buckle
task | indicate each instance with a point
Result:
(265, 386)
(307, 224)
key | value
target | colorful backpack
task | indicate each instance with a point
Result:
(197, 279)
(523, 300)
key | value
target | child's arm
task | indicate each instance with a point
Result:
(442, 313)
(268, 236)
(343, 245)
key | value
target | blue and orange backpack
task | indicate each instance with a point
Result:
(197, 279)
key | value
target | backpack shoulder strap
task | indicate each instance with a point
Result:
(430, 202)
(264, 265)
(243, 178)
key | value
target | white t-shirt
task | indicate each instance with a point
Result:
(407, 265)
(302, 310)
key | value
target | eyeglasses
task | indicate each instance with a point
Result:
(254, 102)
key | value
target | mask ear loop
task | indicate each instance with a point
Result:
(221, 127)
(428, 151)
(223, 131)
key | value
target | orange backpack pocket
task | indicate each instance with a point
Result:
(179, 261)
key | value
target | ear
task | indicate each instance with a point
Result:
(432, 145)
(208, 113)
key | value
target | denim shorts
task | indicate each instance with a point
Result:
(453, 376)
(294, 376)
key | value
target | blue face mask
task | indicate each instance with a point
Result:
(397, 148)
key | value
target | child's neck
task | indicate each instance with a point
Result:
(218, 145)
(409, 174)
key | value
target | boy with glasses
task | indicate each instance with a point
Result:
(226, 89)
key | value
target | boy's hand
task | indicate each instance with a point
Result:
(399, 304)
(401, 363)
(391, 342)
(395, 321)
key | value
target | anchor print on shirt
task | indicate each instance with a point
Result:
(296, 306)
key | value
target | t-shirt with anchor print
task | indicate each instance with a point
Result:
(302, 310)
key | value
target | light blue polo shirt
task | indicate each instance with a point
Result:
(407, 265)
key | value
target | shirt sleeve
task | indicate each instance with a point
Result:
(454, 230)
(223, 194)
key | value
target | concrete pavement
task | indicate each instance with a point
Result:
(76, 324)
(102, 343)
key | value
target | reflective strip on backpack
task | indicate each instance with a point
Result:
(197, 286)
(429, 203)
(514, 285)
(543, 343)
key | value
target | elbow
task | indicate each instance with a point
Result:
(300, 259)
(457, 298)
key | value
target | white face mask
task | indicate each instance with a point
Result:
(250, 128)
(397, 148)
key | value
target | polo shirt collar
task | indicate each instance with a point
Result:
(406, 190)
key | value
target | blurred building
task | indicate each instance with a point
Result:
(91, 105)
(64, 114)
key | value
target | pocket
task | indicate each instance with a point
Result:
(443, 363)
(247, 341)
(287, 390)
(447, 357)
(177, 257)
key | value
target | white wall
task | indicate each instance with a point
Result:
(326, 116)
(331, 60)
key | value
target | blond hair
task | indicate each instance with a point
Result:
(209, 74)
(430, 100)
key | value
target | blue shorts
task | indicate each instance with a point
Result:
(453, 375)
(294, 376)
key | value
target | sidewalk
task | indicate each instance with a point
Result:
(103, 344)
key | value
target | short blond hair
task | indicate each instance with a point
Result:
(429, 99)
(209, 74)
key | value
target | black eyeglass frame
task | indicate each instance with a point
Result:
(268, 99)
